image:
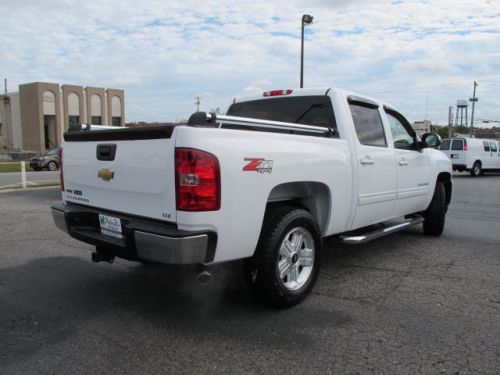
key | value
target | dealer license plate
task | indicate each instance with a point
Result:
(110, 226)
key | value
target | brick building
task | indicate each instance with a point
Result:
(35, 117)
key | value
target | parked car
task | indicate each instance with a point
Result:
(49, 160)
(472, 154)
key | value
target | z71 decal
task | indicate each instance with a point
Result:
(258, 165)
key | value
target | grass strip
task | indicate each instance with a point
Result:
(13, 167)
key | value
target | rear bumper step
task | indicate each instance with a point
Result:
(360, 236)
(142, 239)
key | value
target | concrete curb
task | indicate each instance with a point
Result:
(36, 187)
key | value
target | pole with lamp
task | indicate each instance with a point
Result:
(306, 20)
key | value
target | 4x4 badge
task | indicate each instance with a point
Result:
(105, 174)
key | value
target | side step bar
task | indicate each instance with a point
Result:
(358, 236)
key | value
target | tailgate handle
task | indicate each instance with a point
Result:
(106, 152)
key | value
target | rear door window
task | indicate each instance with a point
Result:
(368, 125)
(486, 146)
(445, 145)
(457, 145)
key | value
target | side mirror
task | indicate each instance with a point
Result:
(430, 140)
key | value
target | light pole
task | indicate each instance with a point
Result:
(306, 20)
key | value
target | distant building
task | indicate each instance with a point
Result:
(35, 118)
(422, 127)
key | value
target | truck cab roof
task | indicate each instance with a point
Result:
(314, 91)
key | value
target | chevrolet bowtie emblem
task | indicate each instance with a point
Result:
(105, 174)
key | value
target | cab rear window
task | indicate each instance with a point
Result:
(306, 110)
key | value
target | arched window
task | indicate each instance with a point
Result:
(116, 111)
(96, 109)
(73, 109)
(49, 119)
(49, 103)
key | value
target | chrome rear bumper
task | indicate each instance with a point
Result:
(142, 238)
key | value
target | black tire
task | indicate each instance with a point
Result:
(434, 216)
(284, 224)
(476, 169)
(52, 166)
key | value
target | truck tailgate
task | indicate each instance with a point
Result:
(123, 170)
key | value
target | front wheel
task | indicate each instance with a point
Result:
(288, 257)
(52, 166)
(435, 214)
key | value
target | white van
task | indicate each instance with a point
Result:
(472, 154)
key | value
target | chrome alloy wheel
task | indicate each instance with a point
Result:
(296, 258)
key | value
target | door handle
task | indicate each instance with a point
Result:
(367, 160)
(403, 161)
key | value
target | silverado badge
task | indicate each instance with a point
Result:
(105, 174)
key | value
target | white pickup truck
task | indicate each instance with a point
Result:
(265, 183)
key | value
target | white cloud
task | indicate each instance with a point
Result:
(419, 55)
(258, 86)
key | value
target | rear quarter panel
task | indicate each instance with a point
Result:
(244, 194)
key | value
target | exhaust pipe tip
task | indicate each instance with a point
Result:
(204, 278)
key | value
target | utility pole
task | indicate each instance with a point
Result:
(198, 101)
(473, 100)
(450, 122)
(5, 85)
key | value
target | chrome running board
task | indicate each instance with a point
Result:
(358, 236)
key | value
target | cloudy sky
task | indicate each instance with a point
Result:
(420, 56)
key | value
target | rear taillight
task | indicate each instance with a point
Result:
(197, 180)
(465, 146)
(277, 92)
(61, 176)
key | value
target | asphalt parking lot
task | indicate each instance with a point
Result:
(404, 304)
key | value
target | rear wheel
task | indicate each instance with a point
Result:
(288, 257)
(434, 216)
(476, 169)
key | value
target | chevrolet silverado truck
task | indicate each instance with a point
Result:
(264, 183)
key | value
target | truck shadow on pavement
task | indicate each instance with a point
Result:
(52, 300)
(55, 300)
